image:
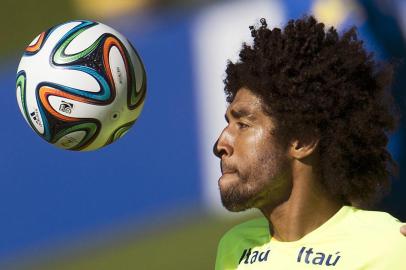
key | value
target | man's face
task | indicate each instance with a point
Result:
(253, 164)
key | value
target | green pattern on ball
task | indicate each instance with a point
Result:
(21, 82)
(119, 132)
(135, 97)
(61, 58)
(89, 128)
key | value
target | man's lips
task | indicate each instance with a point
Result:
(228, 172)
(227, 168)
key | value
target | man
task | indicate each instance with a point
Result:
(308, 121)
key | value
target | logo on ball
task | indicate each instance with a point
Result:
(66, 107)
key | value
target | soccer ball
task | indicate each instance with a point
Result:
(80, 85)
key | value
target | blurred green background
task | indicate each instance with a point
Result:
(22, 21)
(188, 242)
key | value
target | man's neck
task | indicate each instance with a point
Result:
(307, 208)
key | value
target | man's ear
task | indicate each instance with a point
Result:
(302, 148)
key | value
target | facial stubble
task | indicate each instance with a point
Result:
(259, 186)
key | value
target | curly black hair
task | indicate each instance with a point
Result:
(315, 82)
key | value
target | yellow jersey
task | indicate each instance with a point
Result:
(351, 239)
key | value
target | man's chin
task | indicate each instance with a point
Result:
(234, 208)
(233, 202)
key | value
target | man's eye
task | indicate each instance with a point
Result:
(242, 125)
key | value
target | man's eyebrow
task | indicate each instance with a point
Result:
(240, 113)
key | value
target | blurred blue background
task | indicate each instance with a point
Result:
(155, 190)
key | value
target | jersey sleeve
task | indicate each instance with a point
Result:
(220, 257)
(238, 241)
(225, 259)
(392, 252)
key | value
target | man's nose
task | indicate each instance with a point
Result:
(222, 146)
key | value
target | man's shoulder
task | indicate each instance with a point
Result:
(378, 235)
(375, 222)
(255, 230)
(237, 240)
(375, 228)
